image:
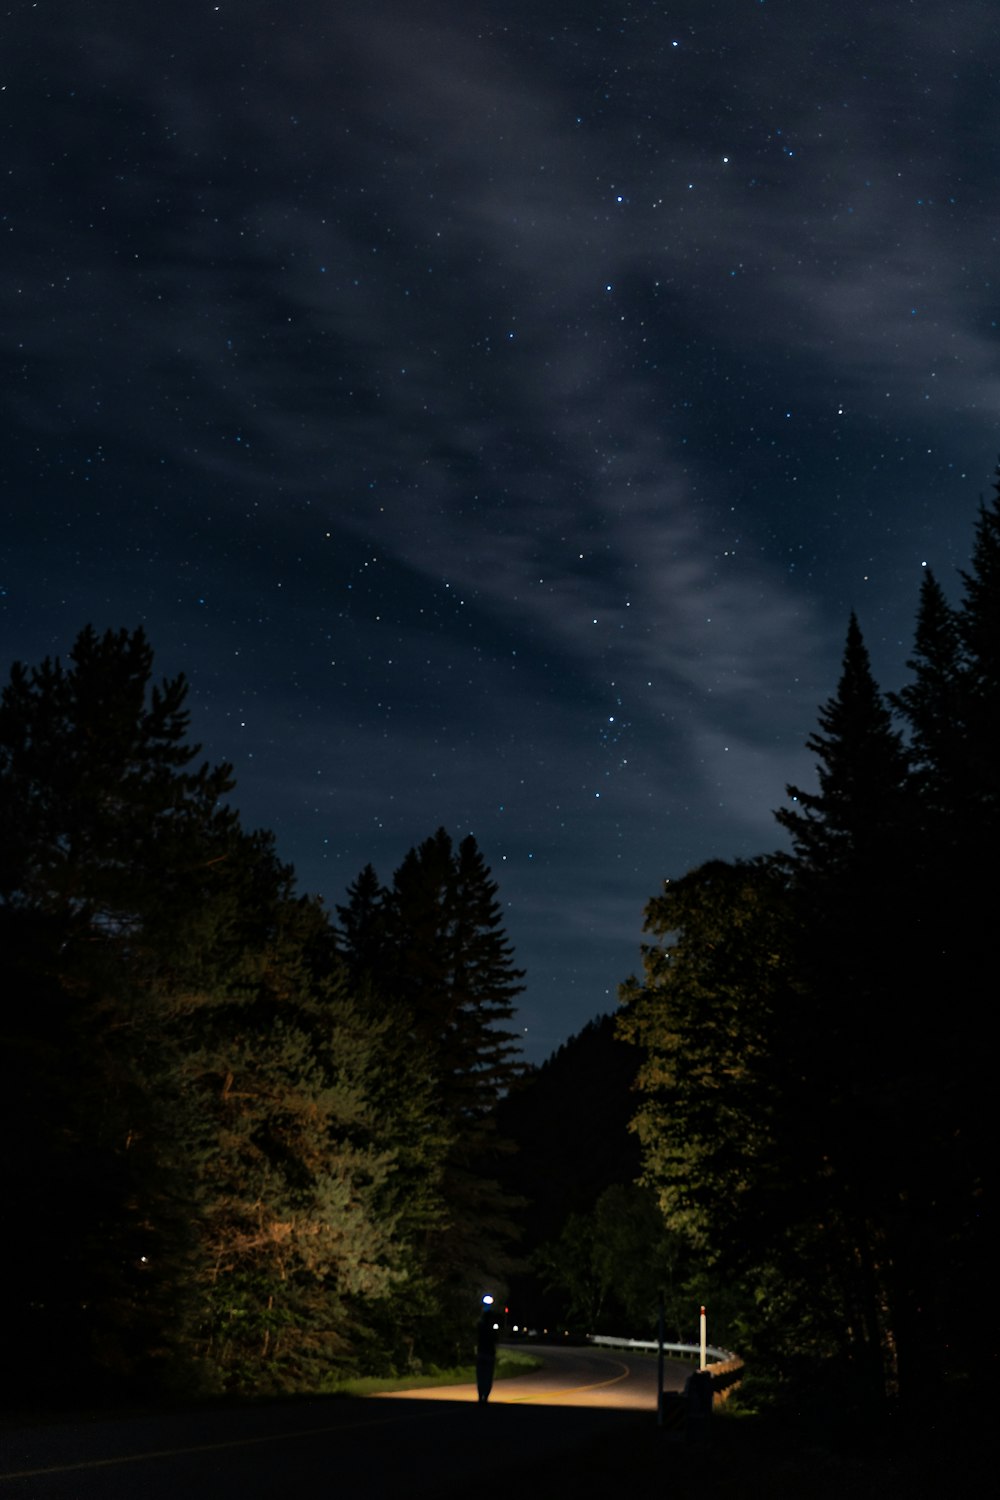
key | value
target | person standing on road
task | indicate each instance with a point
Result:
(486, 1349)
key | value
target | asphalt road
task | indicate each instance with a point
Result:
(602, 1380)
(421, 1443)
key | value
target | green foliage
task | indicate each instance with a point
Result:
(101, 817)
(508, 1366)
(205, 1181)
(567, 1122)
(772, 1062)
(107, 840)
(453, 978)
(813, 1122)
(361, 937)
(245, 1157)
(717, 987)
(438, 968)
(612, 1264)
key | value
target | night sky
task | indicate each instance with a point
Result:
(495, 409)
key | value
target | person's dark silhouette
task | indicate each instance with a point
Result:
(486, 1353)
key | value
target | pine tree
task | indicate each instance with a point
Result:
(979, 629)
(952, 704)
(858, 885)
(855, 868)
(453, 973)
(933, 705)
(201, 1178)
(429, 958)
(107, 838)
(451, 985)
(361, 934)
(952, 711)
(852, 825)
(960, 958)
(862, 1183)
(98, 801)
(295, 1186)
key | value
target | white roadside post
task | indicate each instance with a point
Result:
(704, 1341)
(659, 1364)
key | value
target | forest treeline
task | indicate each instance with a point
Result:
(816, 1086)
(246, 1146)
(250, 1145)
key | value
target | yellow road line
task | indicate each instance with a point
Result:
(274, 1437)
(136, 1458)
(572, 1390)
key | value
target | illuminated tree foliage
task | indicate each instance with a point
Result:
(231, 1157)
(611, 1264)
(439, 968)
(295, 1176)
(725, 1117)
(108, 841)
(706, 1015)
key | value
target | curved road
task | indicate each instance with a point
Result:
(417, 1443)
(573, 1377)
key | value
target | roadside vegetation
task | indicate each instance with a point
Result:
(509, 1366)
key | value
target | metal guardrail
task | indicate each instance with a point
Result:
(652, 1345)
(723, 1369)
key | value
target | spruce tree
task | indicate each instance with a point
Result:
(199, 1174)
(855, 874)
(979, 629)
(100, 806)
(852, 825)
(951, 708)
(453, 976)
(933, 706)
(361, 932)
(964, 769)
(451, 986)
(107, 836)
(293, 1181)
(858, 891)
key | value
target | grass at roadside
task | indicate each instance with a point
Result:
(509, 1365)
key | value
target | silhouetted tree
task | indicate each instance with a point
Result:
(430, 957)
(820, 1121)
(851, 826)
(199, 1175)
(361, 932)
(932, 703)
(452, 985)
(108, 838)
(952, 711)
